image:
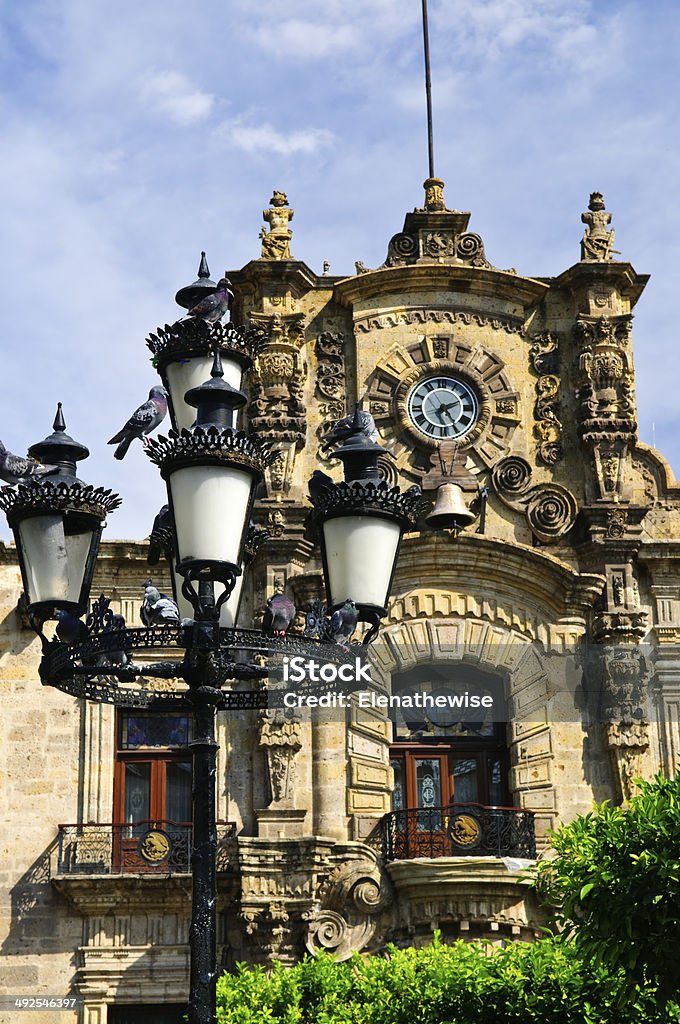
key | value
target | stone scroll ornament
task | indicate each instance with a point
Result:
(550, 509)
(348, 918)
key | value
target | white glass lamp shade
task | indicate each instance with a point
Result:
(228, 611)
(360, 552)
(210, 504)
(56, 554)
(191, 373)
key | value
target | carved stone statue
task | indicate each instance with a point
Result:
(276, 242)
(598, 239)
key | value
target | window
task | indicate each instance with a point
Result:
(153, 770)
(152, 788)
(451, 753)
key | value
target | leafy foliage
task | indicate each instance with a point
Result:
(616, 880)
(544, 982)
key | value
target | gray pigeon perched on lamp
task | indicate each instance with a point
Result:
(278, 615)
(157, 609)
(341, 430)
(318, 482)
(70, 629)
(161, 537)
(213, 307)
(143, 420)
(344, 622)
(16, 470)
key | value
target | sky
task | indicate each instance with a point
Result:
(136, 135)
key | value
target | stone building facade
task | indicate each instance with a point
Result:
(561, 601)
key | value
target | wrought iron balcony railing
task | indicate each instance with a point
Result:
(457, 830)
(145, 847)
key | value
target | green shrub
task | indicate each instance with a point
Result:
(545, 982)
(616, 880)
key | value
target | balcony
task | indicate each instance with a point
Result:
(147, 847)
(457, 830)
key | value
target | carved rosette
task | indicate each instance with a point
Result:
(550, 509)
(543, 355)
(481, 369)
(277, 410)
(281, 738)
(551, 512)
(330, 383)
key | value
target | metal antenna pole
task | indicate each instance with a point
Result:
(428, 91)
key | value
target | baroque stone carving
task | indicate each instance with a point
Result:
(440, 243)
(276, 241)
(352, 900)
(330, 382)
(598, 239)
(423, 315)
(511, 477)
(277, 409)
(400, 370)
(543, 354)
(280, 736)
(624, 716)
(623, 673)
(605, 382)
(550, 509)
(551, 512)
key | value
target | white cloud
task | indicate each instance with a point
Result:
(299, 38)
(265, 138)
(173, 94)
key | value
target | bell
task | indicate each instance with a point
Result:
(450, 511)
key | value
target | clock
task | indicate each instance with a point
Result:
(442, 407)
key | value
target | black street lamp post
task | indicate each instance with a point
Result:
(211, 470)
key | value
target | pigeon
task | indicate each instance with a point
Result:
(319, 482)
(16, 470)
(279, 614)
(160, 540)
(344, 622)
(341, 430)
(157, 609)
(70, 630)
(143, 420)
(116, 656)
(213, 307)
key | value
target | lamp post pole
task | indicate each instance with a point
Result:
(211, 471)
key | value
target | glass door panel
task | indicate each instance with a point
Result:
(137, 800)
(178, 791)
(465, 782)
(429, 791)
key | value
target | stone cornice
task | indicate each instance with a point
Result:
(496, 570)
(622, 275)
(519, 291)
(294, 273)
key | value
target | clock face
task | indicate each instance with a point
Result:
(442, 407)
